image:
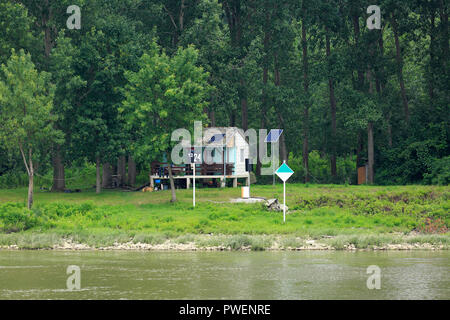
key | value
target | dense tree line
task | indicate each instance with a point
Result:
(312, 68)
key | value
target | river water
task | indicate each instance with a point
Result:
(224, 275)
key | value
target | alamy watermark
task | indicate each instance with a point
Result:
(374, 21)
(374, 280)
(74, 280)
(74, 21)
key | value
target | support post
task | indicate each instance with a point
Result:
(193, 186)
(273, 163)
(234, 182)
(284, 204)
(152, 182)
(188, 182)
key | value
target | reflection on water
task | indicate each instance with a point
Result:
(224, 275)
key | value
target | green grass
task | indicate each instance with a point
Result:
(369, 214)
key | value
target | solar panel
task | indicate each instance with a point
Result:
(217, 137)
(273, 135)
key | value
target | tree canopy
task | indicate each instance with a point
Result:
(346, 95)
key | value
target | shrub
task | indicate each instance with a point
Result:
(238, 242)
(319, 169)
(430, 225)
(16, 217)
(440, 172)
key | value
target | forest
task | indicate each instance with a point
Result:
(106, 91)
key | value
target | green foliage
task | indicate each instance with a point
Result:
(15, 29)
(13, 179)
(16, 217)
(439, 173)
(252, 66)
(314, 210)
(319, 169)
(166, 93)
(26, 104)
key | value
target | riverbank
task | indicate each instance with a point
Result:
(320, 217)
(230, 242)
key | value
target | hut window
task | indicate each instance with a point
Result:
(242, 155)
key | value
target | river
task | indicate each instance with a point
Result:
(225, 275)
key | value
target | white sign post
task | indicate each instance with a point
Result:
(193, 180)
(195, 158)
(284, 173)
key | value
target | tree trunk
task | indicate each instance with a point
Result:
(264, 90)
(400, 69)
(59, 183)
(244, 106)
(106, 176)
(370, 147)
(432, 57)
(121, 171)
(389, 131)
(233, 13)
(232, 119)
(306, 108)
(283, 148)
(333, 113)
(172, 184)
(445, 36)
(370, 151)
(131, 171)
(277, 82)
(357, 31)
(212, 118)
(30, 181)
(98, 186)
(359, 148)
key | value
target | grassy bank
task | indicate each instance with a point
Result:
(322, 216)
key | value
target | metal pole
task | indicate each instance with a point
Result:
(284, 206)
(273, 164)
(193, 198)
(224, 168)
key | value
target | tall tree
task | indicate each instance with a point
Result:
(306, 91)
(26, 100)
(166, 93)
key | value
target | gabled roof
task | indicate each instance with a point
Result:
(218, 136)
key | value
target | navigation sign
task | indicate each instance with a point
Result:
(196, 157)
(284, 172)
(274, 135)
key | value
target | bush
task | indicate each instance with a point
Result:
(430, 225)
(440, 172)
(319, 169)
(16, 217)
(76, 177)
(13, 179)
(238, 242)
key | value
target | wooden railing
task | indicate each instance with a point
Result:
(161, 169)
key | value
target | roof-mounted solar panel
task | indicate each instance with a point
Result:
(217, 137)
(273, 135)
